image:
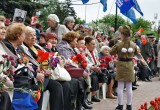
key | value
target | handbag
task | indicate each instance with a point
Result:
(75, 72)
(60, 74)
(24, 78)
(5, 102)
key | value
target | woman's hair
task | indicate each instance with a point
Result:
(80, 38)
(104, 47)
(88, 40)
(2, 19)
(14, 30)
(126, 31)
(68, 19)
(70, 36)
(51, 36)
(29, 29)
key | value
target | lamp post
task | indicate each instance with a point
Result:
(158, 29)
(155, 17)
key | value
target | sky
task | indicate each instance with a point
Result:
(148, 7)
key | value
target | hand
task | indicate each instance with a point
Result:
(67, 62)
(85, 74)
(40, 77)
(47, 72)
(4, 89)
(96, 69)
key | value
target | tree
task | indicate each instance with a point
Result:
(61, 9)
(142, 23)
(104, 25)
(110, 20)
(7, 7)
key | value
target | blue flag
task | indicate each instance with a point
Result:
(84, 1)
(104, 3)
(137, 7)
(131, 15)
(124, 5)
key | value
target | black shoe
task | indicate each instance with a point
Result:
(80, 108)
(135, 85)
(134, 88)
(129, 107)
(86, 105)
(89, 102)
(145, 80)
(95, 99)
(149, 80)
(119, 107)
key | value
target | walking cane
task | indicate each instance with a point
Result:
(146, 63)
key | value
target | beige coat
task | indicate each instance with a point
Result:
(125, 70)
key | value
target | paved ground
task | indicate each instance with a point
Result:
(145, 92)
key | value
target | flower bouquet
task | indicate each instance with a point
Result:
(104, 61)
(42, 57)
(79, 64)
(154, 105)
(36, 95)
(79, 60)
(6, 71)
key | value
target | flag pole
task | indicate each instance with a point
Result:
(85, 12)
(115, 27)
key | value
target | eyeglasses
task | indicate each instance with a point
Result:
(31, 35)
(3, 28)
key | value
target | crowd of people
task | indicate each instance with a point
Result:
(117, 61)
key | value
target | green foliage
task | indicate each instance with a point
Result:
(8, 6)
(142, 23)
(79, 21)
(61, 9)
(107, 22)
(110, 20)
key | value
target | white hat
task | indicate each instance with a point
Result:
(53, 17)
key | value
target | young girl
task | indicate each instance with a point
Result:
(125, 50)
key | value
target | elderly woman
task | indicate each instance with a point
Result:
(97, 78)
(5, 102)
(59, 91)
(55, 27)
(66, 49)
(69, 23)
(23, 78)
(125, 50)
(107, 65)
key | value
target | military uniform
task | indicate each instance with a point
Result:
(125, 65)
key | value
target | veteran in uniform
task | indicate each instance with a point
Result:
(126, 50)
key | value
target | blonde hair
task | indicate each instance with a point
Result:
(14, 30)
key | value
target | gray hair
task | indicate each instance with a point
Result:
(29, 29)
(68, 19)
(104, 47)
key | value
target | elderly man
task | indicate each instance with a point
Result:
(55, 27)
